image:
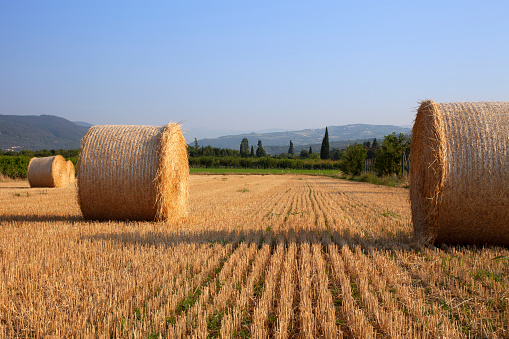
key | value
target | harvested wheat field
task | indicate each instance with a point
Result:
(257, 256)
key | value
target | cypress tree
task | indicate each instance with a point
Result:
(260, 152)
(310, 150)
(252, 152)
(324, 150)
(244, 148)
(290, 150)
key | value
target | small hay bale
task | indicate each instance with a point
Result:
(48, 172)
(71, 172)
(459, 176)
(133, 173)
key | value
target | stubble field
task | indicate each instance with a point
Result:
(258, 256)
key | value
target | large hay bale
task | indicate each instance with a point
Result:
(133, 173)
(71, 172)
(47, 172)
(459, 177)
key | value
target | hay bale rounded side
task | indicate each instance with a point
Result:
(133, 173)
(47, 172)
(71, 172)
(459, 177)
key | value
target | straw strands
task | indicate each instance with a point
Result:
(71, 172)
(4, 178)
(133, 172)
(459, 188)
(48, 172)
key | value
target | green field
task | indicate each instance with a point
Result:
(201, 170)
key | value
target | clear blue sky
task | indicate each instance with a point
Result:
(249, 65)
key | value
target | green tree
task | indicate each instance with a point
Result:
(252, 154)
(353, 159)
(369, 148)
(390, 154)
(191, 151)
(244, 148)
(337, 154)
(196, 143)
(290, 149)
(310, 150)
(374, 145)
(260, 152)
(304, 154)
(324, 150)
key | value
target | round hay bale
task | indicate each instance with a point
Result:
(133, 173)
(459, 176)
(47, 172)
(71, 172)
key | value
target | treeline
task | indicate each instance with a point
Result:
(15, 164)
(247, 151)
(249, 157)
(388, 157)
(266, 162)
(66, 153)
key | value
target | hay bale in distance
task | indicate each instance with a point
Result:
(48, 172)
(133, 173)
(71, 172)
(459, 176)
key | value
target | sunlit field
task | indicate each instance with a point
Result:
(258, 256)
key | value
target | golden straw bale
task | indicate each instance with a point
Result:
(48, 172)
(71, 172)
(459, 176)
(133, 173)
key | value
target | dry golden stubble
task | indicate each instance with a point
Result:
(358, 323)
(68, 272)
(261, 325)
(231, 322)
(324, 309)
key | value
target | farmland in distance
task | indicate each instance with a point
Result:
(258, 256)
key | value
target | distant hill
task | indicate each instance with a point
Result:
(82, 123)
(51, 132)
(339, 137)
(35, 132)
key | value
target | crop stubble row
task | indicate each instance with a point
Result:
(259, 256)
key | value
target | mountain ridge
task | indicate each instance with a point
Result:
(307, 137)
(35, 132)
